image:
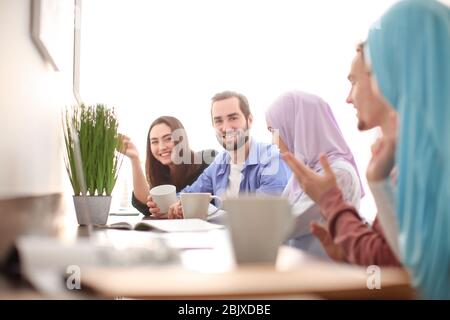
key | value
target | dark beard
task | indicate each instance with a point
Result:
(240, 141)
(361, 125)
(237, 144)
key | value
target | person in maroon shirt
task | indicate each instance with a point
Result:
(345, 236)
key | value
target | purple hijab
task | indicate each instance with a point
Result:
(308, 128)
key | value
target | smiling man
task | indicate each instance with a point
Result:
(245, 166)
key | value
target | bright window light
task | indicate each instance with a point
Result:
(153, 58)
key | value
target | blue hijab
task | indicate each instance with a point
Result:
(409, 53)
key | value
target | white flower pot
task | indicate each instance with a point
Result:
(92, 209)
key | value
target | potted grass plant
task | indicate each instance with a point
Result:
(92, 159)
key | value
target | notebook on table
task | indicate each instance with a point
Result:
(167, 225)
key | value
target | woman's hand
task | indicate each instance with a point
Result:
(154, 209)
(314, 184)
(383, 159)
(321, 232)
(128, 148)
(382, 163)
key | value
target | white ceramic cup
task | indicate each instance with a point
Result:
(258, 226)
(195, 205)
(164, 196)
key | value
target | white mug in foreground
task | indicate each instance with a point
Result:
(164, 196)
(258, 226)
(195, 205)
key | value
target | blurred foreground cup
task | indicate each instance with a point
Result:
(258, 226)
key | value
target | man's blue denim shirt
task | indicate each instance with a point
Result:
(264, 172)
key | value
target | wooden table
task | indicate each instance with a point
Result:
(209, 272)
(212, 274)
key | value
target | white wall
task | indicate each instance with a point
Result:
(31, 98)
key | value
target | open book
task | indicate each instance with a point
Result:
(169, 225)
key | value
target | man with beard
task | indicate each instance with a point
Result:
(245, 166)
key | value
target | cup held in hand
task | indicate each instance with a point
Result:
(258, 226)
(195, 205)
(164, 196)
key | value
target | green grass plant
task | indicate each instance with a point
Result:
(97, 129)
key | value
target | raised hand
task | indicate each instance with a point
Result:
(127, 147)
(383, 159)
(314, 184)
(381, 165)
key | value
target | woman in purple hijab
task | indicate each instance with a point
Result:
(304, 125)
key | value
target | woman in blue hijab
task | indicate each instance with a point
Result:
(409, 54)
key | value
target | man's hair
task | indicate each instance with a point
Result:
(360, 53)
(360, 49)
(243, 102)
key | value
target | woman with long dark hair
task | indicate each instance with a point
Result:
(169, 160)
